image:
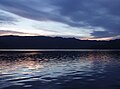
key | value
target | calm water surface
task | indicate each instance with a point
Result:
(60, 70)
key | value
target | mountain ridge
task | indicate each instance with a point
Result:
(46, 42)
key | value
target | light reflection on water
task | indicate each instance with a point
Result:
(60, 70)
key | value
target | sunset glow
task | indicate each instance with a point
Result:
(23, 19)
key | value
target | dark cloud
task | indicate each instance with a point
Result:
(76, 13)
(95, 13)
(103, 34)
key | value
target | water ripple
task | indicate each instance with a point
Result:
(60, 70)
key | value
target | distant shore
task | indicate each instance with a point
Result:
(43, 42)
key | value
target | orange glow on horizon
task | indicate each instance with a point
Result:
(99, 39)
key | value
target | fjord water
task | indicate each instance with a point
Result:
(60, 70)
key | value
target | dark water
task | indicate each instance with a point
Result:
(60, 70)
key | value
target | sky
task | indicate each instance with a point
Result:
(82, 19)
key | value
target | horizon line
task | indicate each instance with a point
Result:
(86, 39)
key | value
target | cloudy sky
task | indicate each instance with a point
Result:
(82, 19)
